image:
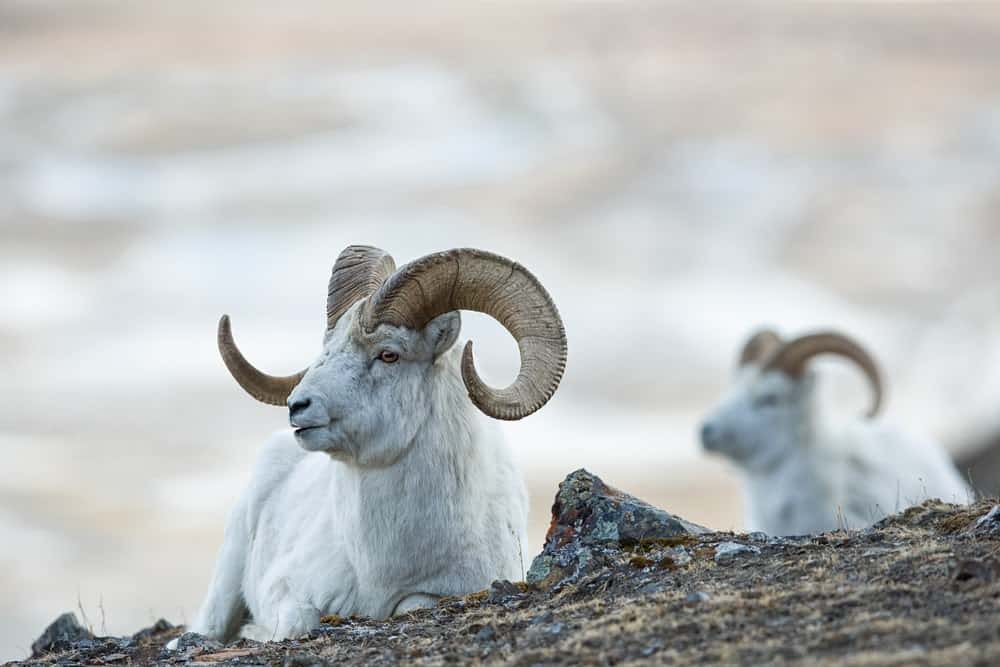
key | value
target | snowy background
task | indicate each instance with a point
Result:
(676, 175)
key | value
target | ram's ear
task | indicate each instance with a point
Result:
(442, 332)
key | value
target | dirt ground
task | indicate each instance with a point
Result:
(919, 589)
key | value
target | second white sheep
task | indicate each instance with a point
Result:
(805, 469)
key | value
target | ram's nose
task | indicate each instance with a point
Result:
(297, 408)
(305, 411)
(709, 435)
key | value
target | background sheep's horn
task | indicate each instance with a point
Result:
(793, 356)
(467, 279)
(359, 271)
(759, 346)
(270, 389)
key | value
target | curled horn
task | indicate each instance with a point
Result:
(793, 356)
(759, 346)
(468, 279)
(358, 272)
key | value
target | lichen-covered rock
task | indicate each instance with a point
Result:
(591, 520)
(60, 634)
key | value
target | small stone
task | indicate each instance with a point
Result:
(727, 551)
(192, 640)
(556, 628)
(60, 633)
(697, 596)
(758, 536)
(501, 590)
(160, 626)
(989, 523)
(486, 633)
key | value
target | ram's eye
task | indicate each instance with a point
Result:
(388, 357)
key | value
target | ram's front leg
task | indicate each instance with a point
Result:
(223, 610)
(290, 617)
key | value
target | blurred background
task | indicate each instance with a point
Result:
(676, 174)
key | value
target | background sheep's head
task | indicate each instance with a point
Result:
(370, 390)
(769, 409)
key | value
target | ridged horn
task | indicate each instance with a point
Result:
(469, 279)
(358, 271)
(759, 346)
(793, 356)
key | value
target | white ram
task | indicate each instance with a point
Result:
(392, 490)
(805, 470)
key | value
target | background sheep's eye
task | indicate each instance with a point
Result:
(766, 401)
(388, 356)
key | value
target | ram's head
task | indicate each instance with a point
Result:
(378, 378)
(769, 409)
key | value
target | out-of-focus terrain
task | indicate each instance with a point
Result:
(675, 175)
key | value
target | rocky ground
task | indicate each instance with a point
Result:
(620, 581)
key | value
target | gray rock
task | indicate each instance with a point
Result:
(696, 596)
(486, 633)
(591, 519)
(989, 523)
(502, 590)
(192, 640)
(727, 551)
(161, 625)
(60, 634)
